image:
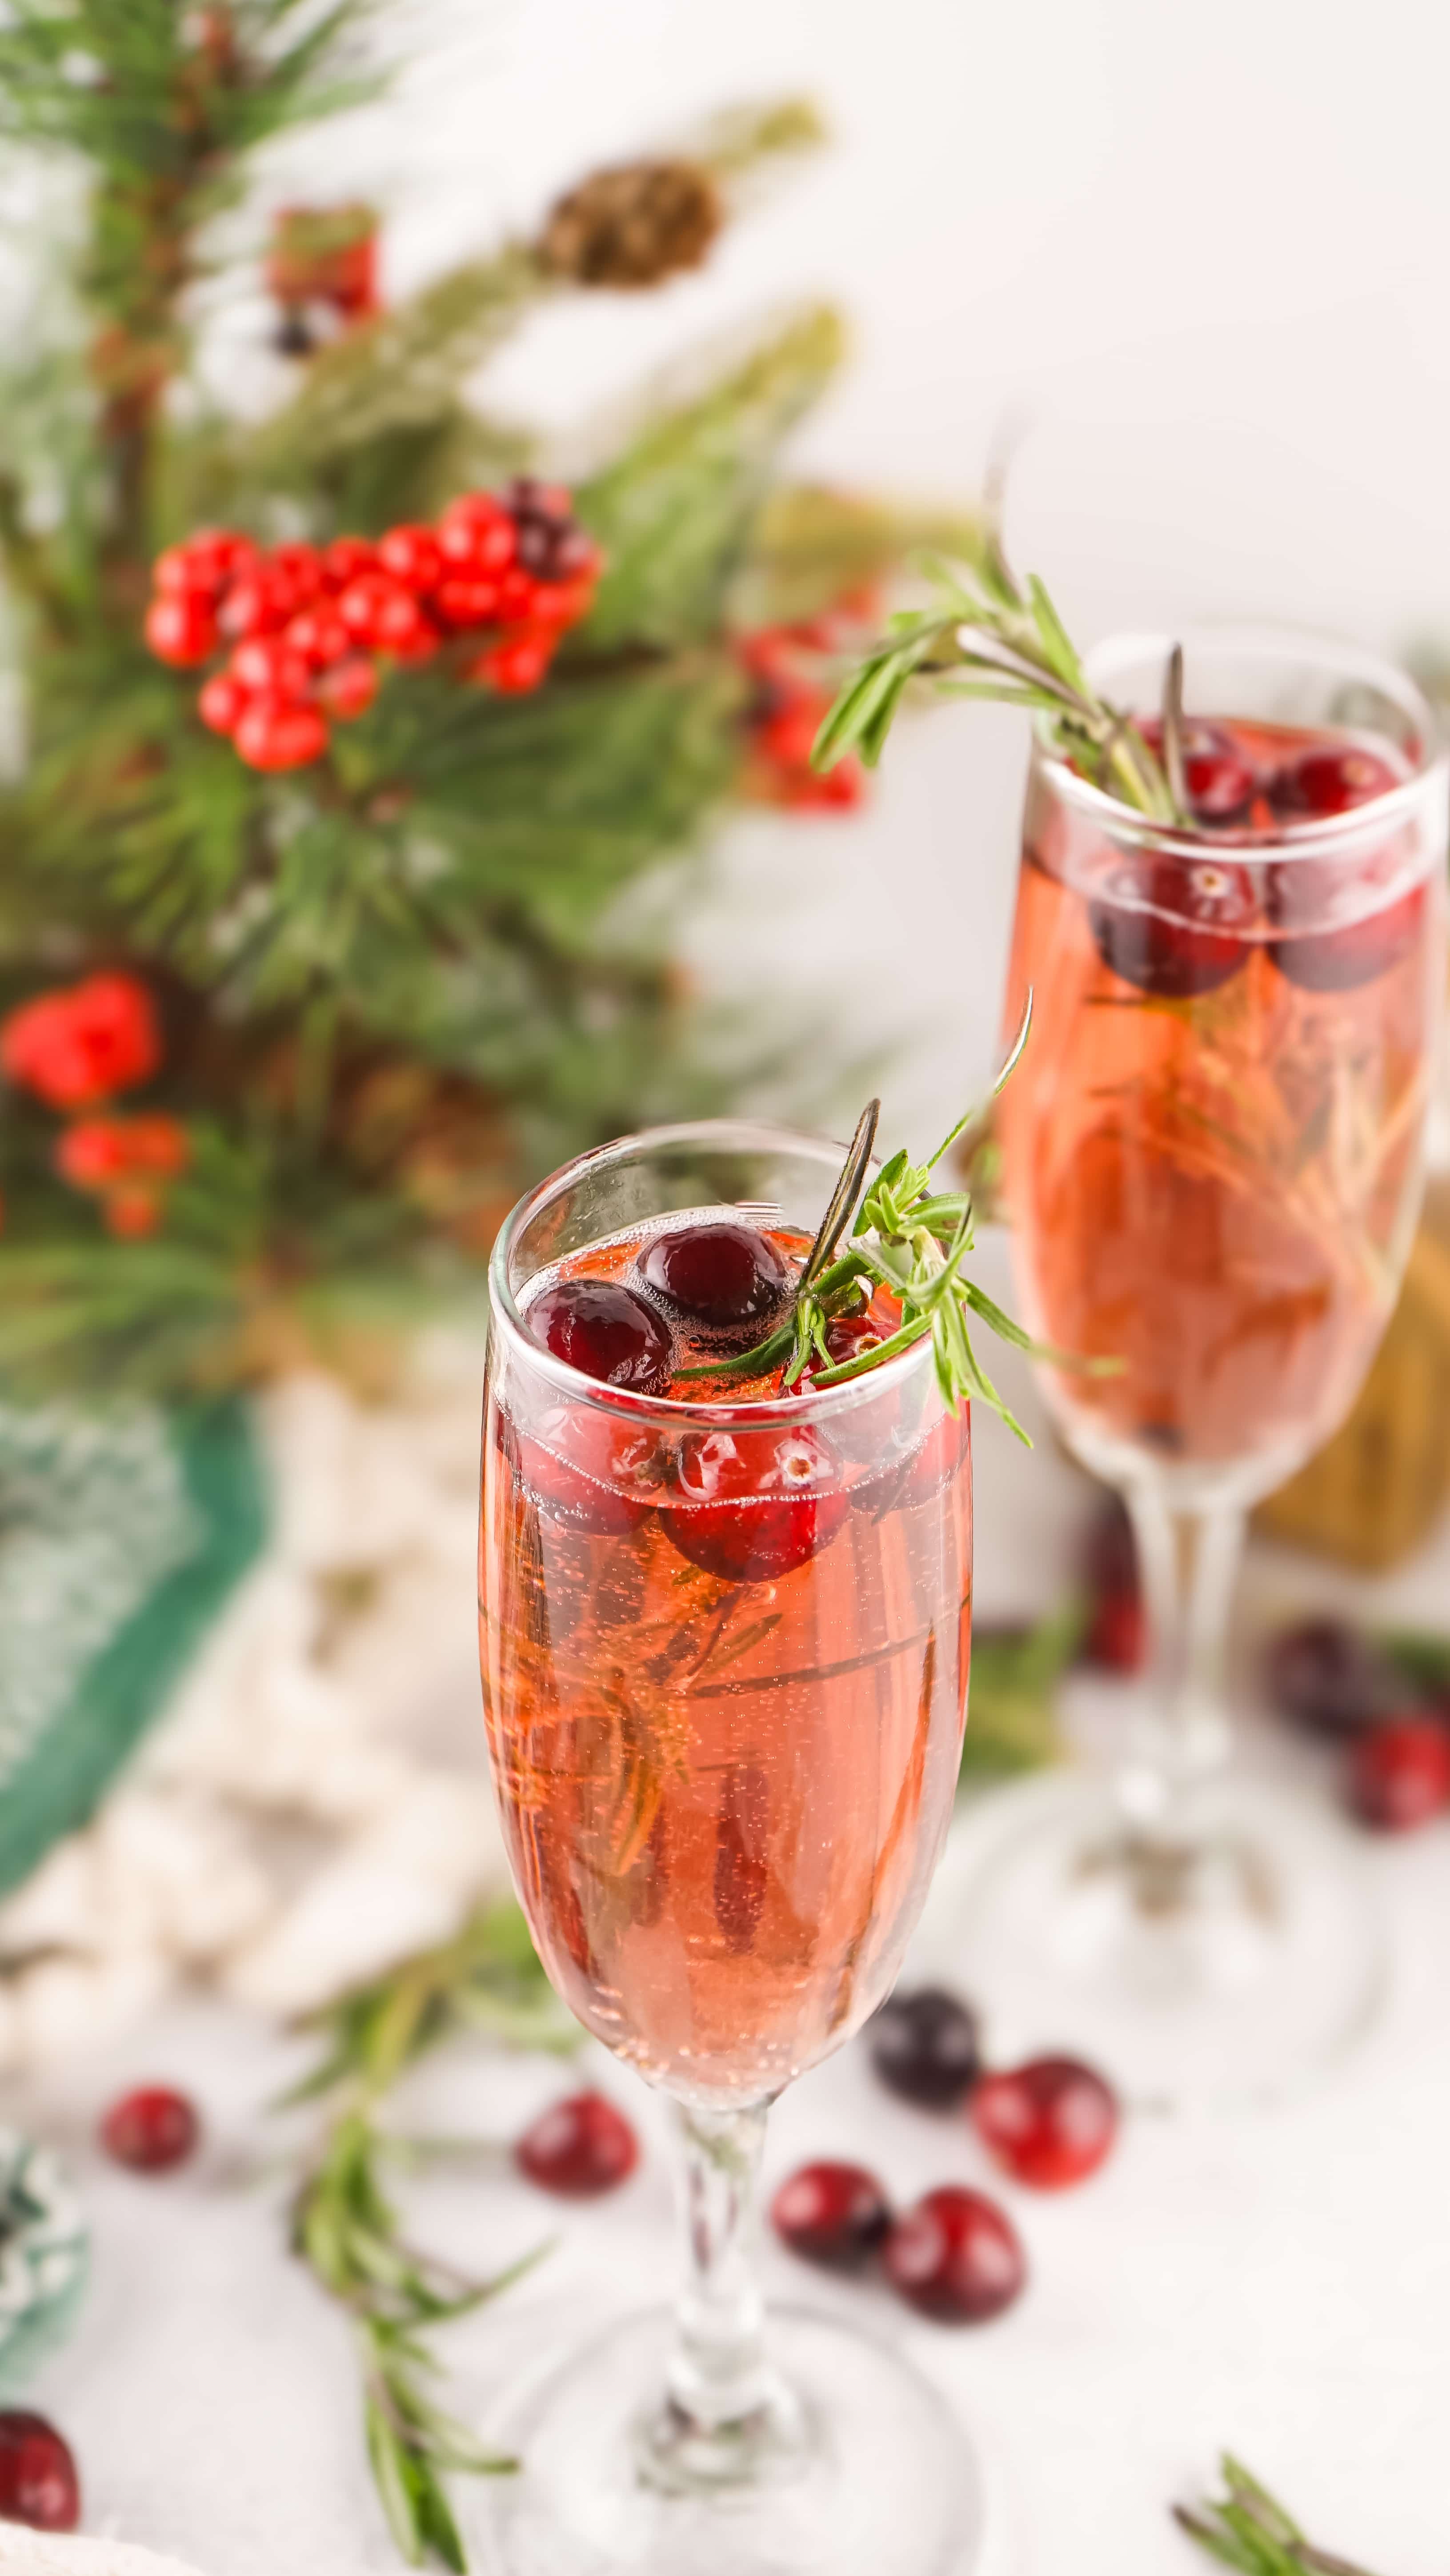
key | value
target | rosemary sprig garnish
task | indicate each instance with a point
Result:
(913, 1239)
(1008, 640)
(345, 2228)
(1249, 2530)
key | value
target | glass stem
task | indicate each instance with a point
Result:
(1189, 1560)
(718, 2375)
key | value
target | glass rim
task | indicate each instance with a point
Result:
(1304, 646)
(773, 1412)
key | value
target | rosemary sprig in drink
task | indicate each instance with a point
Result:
(911, 1238)
(1008, 641)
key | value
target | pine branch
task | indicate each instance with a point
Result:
(811, 544)
(676, 510)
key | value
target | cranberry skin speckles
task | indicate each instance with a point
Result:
(834, 2215)
(38, 2481)
(925, 2047)
(1329, 780)
(1174, 927)
(956, 2257)
(1221, 780)
(718, 1274)
(1049, 2123)
(1399, 1774)
(751, 1506)
(580, 2148)
(151, 2130)
(604, 1330)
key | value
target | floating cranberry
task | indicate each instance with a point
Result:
(1338, 957)
(926, 2048)
(582, 1467)
(1329, 780)
(1049, 2123)
(606, 1331)
(1399, 1774)
(578, 2148)
(1117, 1626)
(848, 1337)
(38, 2481)
(1174, 927)
(956, 2257)
(834, 2215)
(1219, 776)
(1330, 1679)
(151, 2130)
(753, 1505)
(722, 1273)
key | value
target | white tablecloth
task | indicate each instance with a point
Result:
(1279, 2284)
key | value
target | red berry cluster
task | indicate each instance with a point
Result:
(306, 625)
(1334, 1682)
(954, 2255)
(75, 1048)
(789, 701)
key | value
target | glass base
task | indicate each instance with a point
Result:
(1230, 1960)
(860, 2470)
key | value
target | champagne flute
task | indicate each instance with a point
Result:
(1212, 1159)
(724, 1638)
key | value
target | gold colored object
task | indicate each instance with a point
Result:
(1376, 1490)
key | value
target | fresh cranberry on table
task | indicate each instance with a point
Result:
(1219, 777)
(604, 1330)
(1174, 927)
(751, 1506)
(38, 2481)
(151, 2130)
(956, 2257)
(1399, 1774)
(926, 2048)
(1327, 780)
(1116, 1636)
(1049, 2123)
(579, 2148)
(834, 2215)
(1330, 1679)
(725, 1272)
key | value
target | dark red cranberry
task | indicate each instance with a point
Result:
(1336, 959)
(753, 1505)
(1220, 778)
(847, 1337)
(578, 2148)
(721, 1273)
(1048, 2123)
(38, 2481)
(151, 2130)
(1330, 1679)
(834, 2215)
(1329, 780)
(925, 2047)
(602, 1475)
(1174, 927)
(956, 2256)
(606, 1331)
(1399, 1774)
(1117, 1626)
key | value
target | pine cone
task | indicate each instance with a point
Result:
(633, 225)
